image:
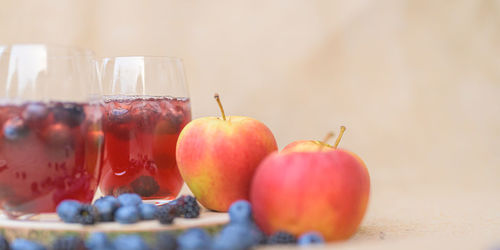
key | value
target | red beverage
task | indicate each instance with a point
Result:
(48, 152)
(140, 135)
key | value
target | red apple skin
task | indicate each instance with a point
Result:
(323, 191)
(217, 159)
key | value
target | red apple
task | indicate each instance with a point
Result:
(311, 186)
(217, 157)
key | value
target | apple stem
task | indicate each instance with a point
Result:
(217, 98)
(342, 129)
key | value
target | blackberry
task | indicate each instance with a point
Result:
(87, 215)
(166, 214)
(187, 206)
(166, 241)
(145, 186)
(68, 243)
(4, 244)
(257, 235)
(281, 237)
(170, 125)
(71, 114)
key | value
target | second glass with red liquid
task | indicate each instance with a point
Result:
(146, 105)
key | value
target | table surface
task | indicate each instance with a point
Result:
(420, 209)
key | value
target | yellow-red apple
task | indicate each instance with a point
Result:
(311, 186)
(217, 157)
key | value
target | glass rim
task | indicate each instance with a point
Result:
(145, 57)
(55, 50)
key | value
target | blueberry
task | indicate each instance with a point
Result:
(118, 121)
(310, 238)
(111, 199)
(194, 239)
(68, 210)
(35, 112)
(68, 243)
(145, 186)
(166, 241)
(147, 211)
(23, 244)
(71, 114)
(130, 242)
(238, 236)
(15, 128)
(106, 208)
(119, 115)
(240, 212)
(127, 215)
(129, 199)
(4, 244)
(99, 241)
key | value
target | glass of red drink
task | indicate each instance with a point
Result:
(146, 105)
(50, 121)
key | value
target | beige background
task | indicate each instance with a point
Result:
(417, 83)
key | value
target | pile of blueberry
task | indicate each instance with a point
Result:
(96, 241)
(241, 233)
(126, 209)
